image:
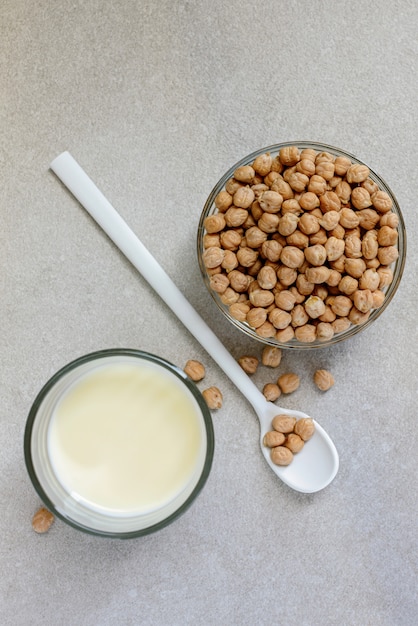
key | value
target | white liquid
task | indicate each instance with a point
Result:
(126, 438)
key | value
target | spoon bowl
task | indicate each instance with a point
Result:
(312, 469)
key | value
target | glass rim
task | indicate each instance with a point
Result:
(141, 355)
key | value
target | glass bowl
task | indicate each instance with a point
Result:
(135, 499)
(317, 337)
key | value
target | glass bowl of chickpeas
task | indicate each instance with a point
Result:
(301, 245)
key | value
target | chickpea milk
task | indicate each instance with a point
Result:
(125, 438)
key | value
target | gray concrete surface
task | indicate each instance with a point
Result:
(156, 100)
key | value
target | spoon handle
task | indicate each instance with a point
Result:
(91, 198)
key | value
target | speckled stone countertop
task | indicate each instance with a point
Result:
(156, 100)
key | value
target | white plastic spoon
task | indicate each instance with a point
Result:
(312, 469)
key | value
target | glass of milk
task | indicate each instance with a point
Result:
(119, 443)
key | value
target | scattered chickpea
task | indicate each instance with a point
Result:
(271, 356)
(195, 370)
(249, 364)
(323, 379)
(213, 397)
(289, 382)
(271, 392)
(42, 520)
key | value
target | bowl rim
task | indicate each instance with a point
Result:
(399, 264)
(97, 355)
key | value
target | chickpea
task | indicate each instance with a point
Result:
(315, 255)
(270, 201)
(354, 267)
(326, 169)
(284, 423)
(357, 173)
(314, 307)
(324, 331)
(318, 275)
(323, 379)
(255, 237)
(266, 330)
(272, 392)
(280, 455)
(306, 333)
(289, 156)
(195, 370)
(299, 316)
(292, 257)
(341, 305)
(363, 300)
(279, 318)
(244, 197)
(286, 334)
(369, 280)
(286, 275)
(235, 216)
(387, 254)
(214, 223)
(340, 324)
(229, 296)
(360, 198)
(230, 261)
(341, 164)
(298, 239)
(298, 181)
(268, 223)
(213, 398)
(219, 283)
(306, 166)
(230, 240)
(261, 297)
(378, 298)
(389, 219)
(262, 164)
(385, 276)
(245, 174)
(358, 317)
(329, 201)
(213, 257)
(309, 201)
(285, 300)
(239, 311)
(308, 224)
(305, 428)
(317, 185)
(248, 363)
(223, 201)
(349, 218)
(387, 236)
(273, 438)
(267, 277)
(294, 443)
(353, 247)
(271, 356)
(382, 201)
(348, 285)
(330, 220)
(288, 224)
(343, 191)
(271, 250)
(256, 316)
